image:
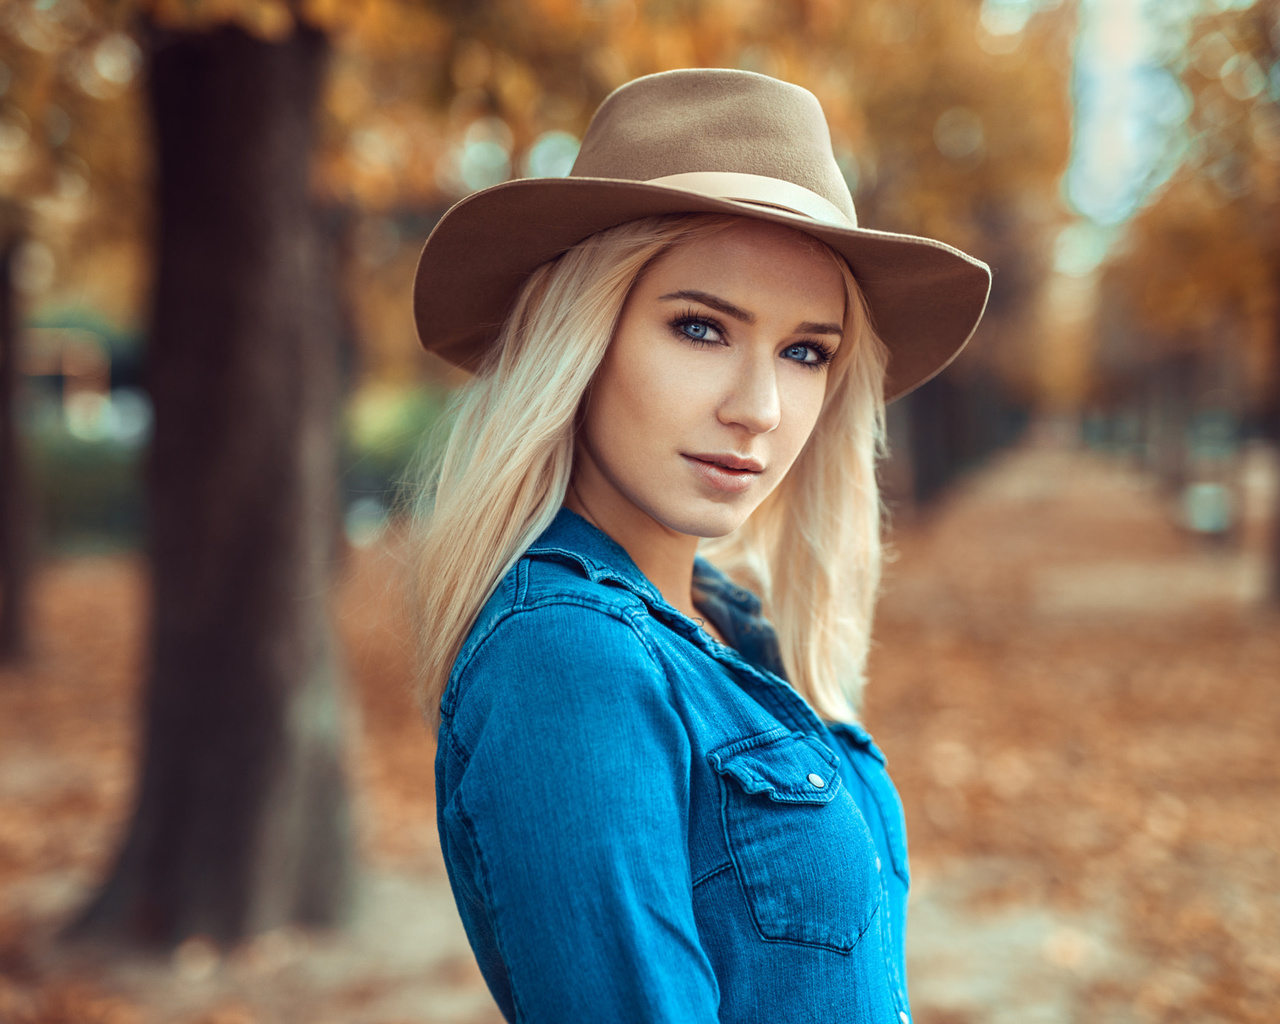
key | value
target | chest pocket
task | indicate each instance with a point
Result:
(800, 846)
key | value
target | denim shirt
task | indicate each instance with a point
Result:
(641, 824)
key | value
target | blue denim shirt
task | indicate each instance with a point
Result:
(641, 824)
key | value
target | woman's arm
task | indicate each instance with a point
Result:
(567, 824)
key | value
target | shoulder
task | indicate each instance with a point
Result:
(549, 630)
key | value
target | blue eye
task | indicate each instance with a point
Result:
(809, 354)
(698, 329)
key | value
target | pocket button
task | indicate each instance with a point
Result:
(800, 846)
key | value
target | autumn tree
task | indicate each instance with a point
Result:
(65, 74)
(1199, 272)
(15, 525)
(240, 819)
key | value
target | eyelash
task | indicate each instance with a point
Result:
(691, 316)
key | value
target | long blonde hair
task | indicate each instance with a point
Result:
(811, 550)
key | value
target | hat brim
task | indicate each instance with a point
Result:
(925, 297)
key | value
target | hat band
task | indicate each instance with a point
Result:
(756, 188)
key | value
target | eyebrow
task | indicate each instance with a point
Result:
(729, 309)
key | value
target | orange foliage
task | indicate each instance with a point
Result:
(937, 135)
(1201, 264)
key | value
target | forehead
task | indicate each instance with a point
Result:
(750, 255)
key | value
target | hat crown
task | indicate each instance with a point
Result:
(714, 120)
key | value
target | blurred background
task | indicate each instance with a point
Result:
(216, 799)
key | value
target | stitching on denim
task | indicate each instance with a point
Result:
(887, 824)
(618, 609)
(834, 784)
(638, 617)
(708, 875)
(790, 707)
(889, 946)
(593, 568)
(522, 580)
(759, 739)
(464, 662)
(860, 738)
(453, 689)
(490, 902)
(459, 751)
(626, 615)
(751, 909)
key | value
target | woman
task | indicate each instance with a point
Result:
(654, 800)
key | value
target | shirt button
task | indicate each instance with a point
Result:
(816, 780)
(877, 863)
(902, 1016)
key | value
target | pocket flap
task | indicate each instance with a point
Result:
(790, 768)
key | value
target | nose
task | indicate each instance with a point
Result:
(752, 400)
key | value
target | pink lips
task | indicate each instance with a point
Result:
(730, 473)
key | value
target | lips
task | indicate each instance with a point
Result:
(730, 461)
(725, 473)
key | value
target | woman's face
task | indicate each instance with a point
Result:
(713, 381)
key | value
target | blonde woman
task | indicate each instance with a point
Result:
(648, 562)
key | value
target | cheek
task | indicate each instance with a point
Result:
(643, 397)
(802, 410)
(620, 418)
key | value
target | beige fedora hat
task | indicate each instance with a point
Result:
(695, 141)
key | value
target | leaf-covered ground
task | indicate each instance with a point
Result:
(1079, 703)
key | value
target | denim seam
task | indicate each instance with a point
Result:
(759, 739)
(624, 614)
(522, 581)
(459, 751)
(890, 962)
(724, 824)
(886, 823)
(594, 569)
(717, 757)
(708, 875)
(483, 870)
(789, 707)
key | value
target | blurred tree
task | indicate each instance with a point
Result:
(65, 71)
(241, 821)
(15, 521)
(941, 129)
(1199, 274)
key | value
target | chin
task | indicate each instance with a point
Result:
(716, 521)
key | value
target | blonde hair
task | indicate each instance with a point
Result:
(811, 550)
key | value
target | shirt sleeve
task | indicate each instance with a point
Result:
(568, 825)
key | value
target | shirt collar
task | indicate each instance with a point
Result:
(753, 655)
(734, 610)
(712, 583)
(602, 558)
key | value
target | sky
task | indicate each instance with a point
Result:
(1128, 106)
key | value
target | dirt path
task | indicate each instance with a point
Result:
(1079, 705)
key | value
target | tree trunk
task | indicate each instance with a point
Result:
(1273, 581)
(15, 520)
(241, 822)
